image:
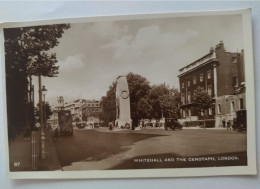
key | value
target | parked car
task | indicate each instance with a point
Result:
(240, 123)
(148, 124)
(81, 125)
(172, 124)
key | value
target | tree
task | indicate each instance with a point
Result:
(26, 49)
(169, 104)
(202, 101)
(164, 101)
(47, 109)
(144, 109)
(138, 88)
(108, 104)
(155, 99)
(26, 54)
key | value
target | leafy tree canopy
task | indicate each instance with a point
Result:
(108, 104)
(47, 109)
(26, 49)
(202, 100)
(138, 88)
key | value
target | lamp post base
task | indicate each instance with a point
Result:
(43, 146)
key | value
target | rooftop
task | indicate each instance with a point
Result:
(208, 57)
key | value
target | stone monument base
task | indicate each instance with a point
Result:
(123, 124)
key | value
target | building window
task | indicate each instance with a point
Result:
(182, 85)
(194, 94)
(189, 112)
(201, 112)
(189, 98)
(241, 103)
(219, 109)
(183, 114)
(232, 106)
(201, 77)
(234, 60)
(194, 80)
(188, 83)
(235, 81)
(209, 74)
(209, 90)
(183, 99)
(210, 111)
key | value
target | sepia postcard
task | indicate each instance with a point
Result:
(130, 96)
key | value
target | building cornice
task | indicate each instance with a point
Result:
(189, 70)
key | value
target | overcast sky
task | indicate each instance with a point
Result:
(91, 55)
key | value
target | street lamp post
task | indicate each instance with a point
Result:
(44, 92)
(43, 137)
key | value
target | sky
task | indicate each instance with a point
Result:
(91, 55)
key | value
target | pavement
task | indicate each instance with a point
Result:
(51, 161)
(20, 158)
(20, 154)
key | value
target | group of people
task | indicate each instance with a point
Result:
(224, 124)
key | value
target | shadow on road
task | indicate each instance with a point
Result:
(87, 145)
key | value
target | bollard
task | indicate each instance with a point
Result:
(34, 154)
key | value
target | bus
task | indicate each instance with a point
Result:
(65, 123)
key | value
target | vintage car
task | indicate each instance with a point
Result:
(81, 125)
(240, 123)
(172, 124)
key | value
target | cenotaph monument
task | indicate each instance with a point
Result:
(123, 115)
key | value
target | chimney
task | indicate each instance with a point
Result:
(211, 49)
(220, 47)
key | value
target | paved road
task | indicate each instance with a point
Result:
(103, 149)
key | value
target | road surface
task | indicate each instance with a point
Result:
(101, 149)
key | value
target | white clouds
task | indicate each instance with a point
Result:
(149, 40)
(92, 54)
(71, 63)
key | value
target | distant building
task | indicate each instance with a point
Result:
(219, 73)
(81, 110)
(91, 110)
(76, 109)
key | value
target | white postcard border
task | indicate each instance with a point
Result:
(148, 173)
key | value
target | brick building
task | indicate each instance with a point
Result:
(91, 110)
(219, 73)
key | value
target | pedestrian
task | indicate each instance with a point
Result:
(235, 124)
(224, 123)
(110, 126)
(142, 124)
(228, 125)
(26, 134)
(56, 134)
